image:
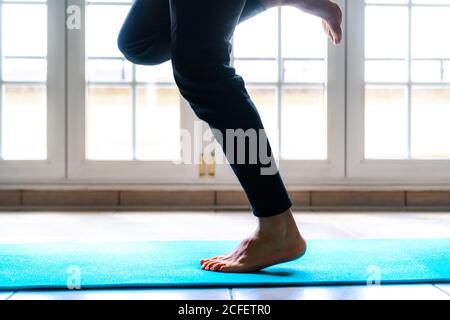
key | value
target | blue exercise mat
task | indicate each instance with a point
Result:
(176, 264)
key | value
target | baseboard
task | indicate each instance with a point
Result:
(223, 200)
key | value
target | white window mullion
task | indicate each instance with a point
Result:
(279, 90)
(409, 89)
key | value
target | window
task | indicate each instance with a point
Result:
(401, 68)
(293, 78)
(142, 104)
(24, 81)
(131, 116)
(31, 89)
(287, 79)
(126, 120)
(374, 110)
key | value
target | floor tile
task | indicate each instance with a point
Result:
(5, 295)
(106, 227)
(388, 292)
(393, 226)
(444, 287)
(32, 227)
(156, 294)
(322, 226)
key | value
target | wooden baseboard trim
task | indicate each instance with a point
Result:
(228, 200)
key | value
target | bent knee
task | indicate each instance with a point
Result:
(143, 52)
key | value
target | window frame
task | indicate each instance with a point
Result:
(53, 168)
(407, 171)
(314, 172)
(346, 165)
(81, 169)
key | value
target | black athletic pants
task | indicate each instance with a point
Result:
(195, 35)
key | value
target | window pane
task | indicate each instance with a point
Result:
(304, 124)
(158, 123)
(386, 71)
(257, 71)
(248, 43)
(109, 119)
(23, 108)
(104, 23)
(109, 70)
(302, 35)
(386, 116)
(136, 122)
(388, 39)
(24, 30)
(24, 70)
(24, 123)
(430, 123)
(309, 71)
(430, 32)
(152, 74)
(427, 71)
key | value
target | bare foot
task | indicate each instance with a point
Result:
(332, 24)
(277, 240)
(329, 11)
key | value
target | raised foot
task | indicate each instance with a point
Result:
(332, 23)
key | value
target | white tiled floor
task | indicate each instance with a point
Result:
(388, 292)
(156, 294)
(444, 287)
(132, 226)
(5, 295)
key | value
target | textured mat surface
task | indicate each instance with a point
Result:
(175, 264)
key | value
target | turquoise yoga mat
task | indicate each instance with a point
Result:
(176, 264)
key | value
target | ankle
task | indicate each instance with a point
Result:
(278, 224)
(332, 11)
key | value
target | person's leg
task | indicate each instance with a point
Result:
(201, 33)
(146, 35)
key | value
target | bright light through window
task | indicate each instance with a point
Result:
(133, 112)
(286, 73)
(408, 84)
(23, 106)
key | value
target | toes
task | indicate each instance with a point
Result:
(223, 268)
(334, 32)
(214, 265)
(207, 266)
(229, 268)
(217, 266)
(203, 261)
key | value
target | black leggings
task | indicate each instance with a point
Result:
(195, 35)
